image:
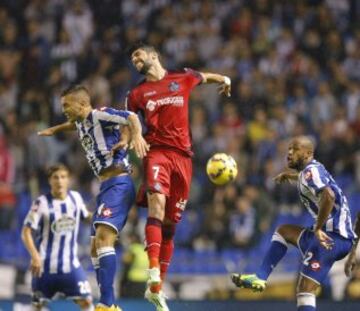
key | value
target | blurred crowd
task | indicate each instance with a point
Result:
(295, 69)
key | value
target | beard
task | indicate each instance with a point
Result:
(145, 68)
(298, 165)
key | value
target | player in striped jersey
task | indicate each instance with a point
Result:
(105, 145)
(55, 218)
(330, 239)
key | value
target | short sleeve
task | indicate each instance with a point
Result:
(130, 102)
(84, 213)
(315, 179)
(194, 77)
(35, 214)
(113, 115)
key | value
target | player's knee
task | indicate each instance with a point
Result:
(93, 248)
(284, 232)
(105, 236)
(100, 239)
(168, 232)
(305, 285)
(156, 205)
(279, 238)
(281, 230)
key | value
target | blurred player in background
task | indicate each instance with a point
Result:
(106, 151)
(163, 101)
(55, 219)
(329, 240)
(350, 263)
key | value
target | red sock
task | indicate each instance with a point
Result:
(166, 252)
(153, 241)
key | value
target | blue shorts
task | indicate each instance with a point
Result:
(317, 261)
(113, 203)
(73, 285)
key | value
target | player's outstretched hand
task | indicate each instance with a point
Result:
(350, 264)
(46, 132)
(140, 146)
(225, 89)
(36, 266)
(324, 239)
(283, 177)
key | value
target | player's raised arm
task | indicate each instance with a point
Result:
(137, 140)
(351, 261)
(63, 127)
(223, 81)
(125, 139)
(286, 176)
(130, 119)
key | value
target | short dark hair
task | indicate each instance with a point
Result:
(143, 46)
(74, 89)
(57, 167)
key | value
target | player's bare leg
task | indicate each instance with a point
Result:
(290, 233)
(306, 294)
(283, 235)
(156, 203)
(104, 242)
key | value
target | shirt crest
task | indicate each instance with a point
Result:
(174, 86)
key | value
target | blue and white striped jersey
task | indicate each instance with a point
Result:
(98, 133)
(56, 223)
(312, 179)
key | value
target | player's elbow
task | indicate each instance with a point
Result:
(23, 233)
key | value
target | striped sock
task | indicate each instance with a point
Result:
(107, 270)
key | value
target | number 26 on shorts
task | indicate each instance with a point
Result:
(307, 259)
(84, 287)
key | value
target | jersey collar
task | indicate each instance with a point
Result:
(313, 161)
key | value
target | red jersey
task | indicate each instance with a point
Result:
(164, 105)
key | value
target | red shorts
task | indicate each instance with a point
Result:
(168, 172)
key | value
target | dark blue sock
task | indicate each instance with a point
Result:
(96, 265)
(272, 257)
(306, 302)
(106, 274)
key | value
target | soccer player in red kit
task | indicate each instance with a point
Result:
(163, 100)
